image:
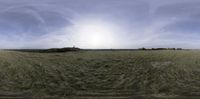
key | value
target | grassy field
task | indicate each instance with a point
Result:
(100, 73)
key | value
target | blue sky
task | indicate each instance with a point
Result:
(99, 23)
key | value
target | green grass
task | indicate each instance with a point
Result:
(100, 73)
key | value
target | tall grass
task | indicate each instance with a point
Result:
(100, 73)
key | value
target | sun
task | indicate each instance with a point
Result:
(95, 34)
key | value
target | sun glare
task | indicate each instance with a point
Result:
(95, 34)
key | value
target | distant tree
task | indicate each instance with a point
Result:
(142, 48)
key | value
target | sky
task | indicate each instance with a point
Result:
(99, 23)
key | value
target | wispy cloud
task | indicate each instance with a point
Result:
(138, 23)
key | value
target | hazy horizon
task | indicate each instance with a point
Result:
(99, 24)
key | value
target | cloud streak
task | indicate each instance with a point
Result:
(138, 23)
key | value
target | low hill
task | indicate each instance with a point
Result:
(51, 50)
(100, 73)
